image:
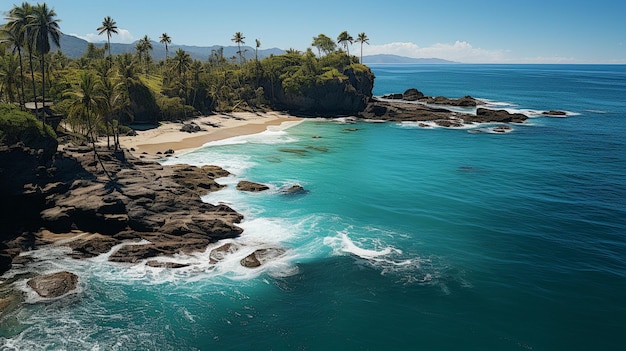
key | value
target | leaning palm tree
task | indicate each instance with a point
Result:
(165, 40)
(345, 39)
(45, 28)
(362, 39)
(108, 26)
(88, 104)
(238, 38)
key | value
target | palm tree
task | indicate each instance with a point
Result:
(9, 76)
(12, 39)
(112, 99)
(108, 27)
(238, 38)
(182, 62)
(17, 22)
(256, 49)
(362, 39)
(86, 102)
(345, 39)
(165, 40)
(143, 46)
(45, 28)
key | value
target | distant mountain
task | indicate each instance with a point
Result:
(74, 47)
(383, 58)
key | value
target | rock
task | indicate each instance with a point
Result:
(260, 257)
(131, 132)
(159, 264)
(501, 129)
(294, 190)
(169, 152)
(190, 128)
(134, 253)
(502, 116)
(219, 253)
(92, 246)
(54, 285)
(412, 95)
(554, 113)
(245, 185)
(5, 262)
(395, 96)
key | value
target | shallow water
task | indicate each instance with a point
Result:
(408, 238)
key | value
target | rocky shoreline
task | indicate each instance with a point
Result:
(414, 106)
(133, 200)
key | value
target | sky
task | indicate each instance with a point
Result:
(478, 31)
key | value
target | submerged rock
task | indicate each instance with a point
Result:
(218, 254)
(296, 189)
(54, 285)
(160, 264)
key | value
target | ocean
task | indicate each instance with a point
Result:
(407, 238)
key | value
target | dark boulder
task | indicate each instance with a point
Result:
(190, 128)
(554, 113)
(261, 256)
(219, 253)
(54, 285)
(245, 185)
(412, 95)
(502, 116)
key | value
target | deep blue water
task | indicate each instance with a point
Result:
(408, 238)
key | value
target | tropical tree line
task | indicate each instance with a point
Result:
(100, 92)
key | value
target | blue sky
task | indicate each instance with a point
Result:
(478, 31)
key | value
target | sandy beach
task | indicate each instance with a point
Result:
(168, 136)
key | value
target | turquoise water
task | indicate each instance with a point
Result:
(408, 238)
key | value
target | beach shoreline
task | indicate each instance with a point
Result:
(154, 142)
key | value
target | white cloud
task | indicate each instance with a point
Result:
(123, 36)
(460, 51)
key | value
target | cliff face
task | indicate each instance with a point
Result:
(344, 95)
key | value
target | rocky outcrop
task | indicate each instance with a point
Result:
(54, 285)
(245, 185)
(502, 116)
(398, 111)
(413, 94)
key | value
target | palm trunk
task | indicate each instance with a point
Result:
(23, 97)
(32, 76)
(43, 88)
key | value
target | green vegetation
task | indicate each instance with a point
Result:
(16, 125)
(99, 92)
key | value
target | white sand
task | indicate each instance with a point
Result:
(168, 135)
